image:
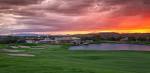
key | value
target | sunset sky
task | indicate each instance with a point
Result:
(74, 16)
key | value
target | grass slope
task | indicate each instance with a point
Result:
(57, 59)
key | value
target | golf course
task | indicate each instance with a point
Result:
(44, 58)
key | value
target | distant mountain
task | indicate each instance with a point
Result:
(26, 35)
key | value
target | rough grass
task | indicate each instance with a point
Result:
(57, 59)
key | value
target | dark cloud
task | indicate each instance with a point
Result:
(72, 6)
(129, 7)
(18, 2)
(58, 15)
(77, 7)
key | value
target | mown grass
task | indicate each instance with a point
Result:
(57, 59)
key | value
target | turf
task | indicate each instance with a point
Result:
(57, 59)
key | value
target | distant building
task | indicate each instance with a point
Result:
(55, 40)
(46, 40)
(124, 39)
(32, 40)
(71, 40)
(109, 35)
(86, 42)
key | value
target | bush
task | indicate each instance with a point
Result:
(8, 39)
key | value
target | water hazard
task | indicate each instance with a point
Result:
(108, 46)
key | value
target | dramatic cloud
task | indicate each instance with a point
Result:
(18, 2)
(49, 16)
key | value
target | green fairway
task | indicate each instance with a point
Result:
(58, 59)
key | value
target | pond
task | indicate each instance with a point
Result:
(110, 46)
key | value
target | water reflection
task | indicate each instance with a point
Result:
(107, 46)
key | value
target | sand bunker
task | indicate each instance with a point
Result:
(37, 48)
(12, 50)
(24, 47)
(22, 55)
(15, 47)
